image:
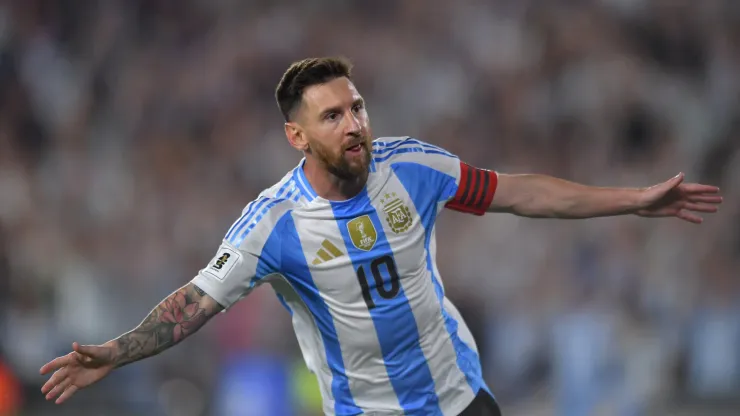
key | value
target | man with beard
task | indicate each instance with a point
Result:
(346, 240)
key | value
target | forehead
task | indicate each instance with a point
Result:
(335, 93)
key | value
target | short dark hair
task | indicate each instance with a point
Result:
(305, 73)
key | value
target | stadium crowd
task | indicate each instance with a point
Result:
(133, 132)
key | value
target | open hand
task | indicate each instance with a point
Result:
(673, 198)
(80, 368)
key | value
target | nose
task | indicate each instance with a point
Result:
(353, 126)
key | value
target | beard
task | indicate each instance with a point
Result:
(341, 165)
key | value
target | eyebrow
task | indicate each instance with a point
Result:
(338, 109)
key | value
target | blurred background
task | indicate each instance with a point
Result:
(133, 132)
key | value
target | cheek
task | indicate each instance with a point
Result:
(365, 121)
(328, 149)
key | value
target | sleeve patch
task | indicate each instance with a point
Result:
(223, 263)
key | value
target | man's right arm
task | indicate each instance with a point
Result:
(229, 277)
(175, 318)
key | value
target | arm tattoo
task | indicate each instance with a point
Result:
(199, 291)
(179, 315)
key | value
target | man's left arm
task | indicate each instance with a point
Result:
(542, 196)
(465, 188)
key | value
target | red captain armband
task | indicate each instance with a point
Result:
(475, 192)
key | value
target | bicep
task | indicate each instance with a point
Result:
(506, 194)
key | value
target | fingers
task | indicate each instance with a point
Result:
(59, 388)
(698, 207)
(56, 364)
(687, 216)
(709, 199)
(67, 394)
(54, 380)
(671, 183)
(697, 188)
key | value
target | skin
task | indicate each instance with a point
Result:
(540, 196)
(330, 119)
(179, 315)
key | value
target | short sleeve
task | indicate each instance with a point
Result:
(229, 276)
(457, 185)
(250, 252)
(435, 168)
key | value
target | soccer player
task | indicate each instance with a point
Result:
(347, 241)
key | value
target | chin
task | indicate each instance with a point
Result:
(351, 171)
(359, 167)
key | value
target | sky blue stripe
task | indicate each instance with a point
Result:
(295, 269)
(247, 218)
(386, 147)
(426, 205)
(270, 260)
(409, 150)
(258, 217)
(296, 178)
(301, 179)
(248, 211)
(394, 321)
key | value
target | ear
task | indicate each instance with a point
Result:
(296, 136)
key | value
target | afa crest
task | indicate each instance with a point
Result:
(362, 232)
(397, 214)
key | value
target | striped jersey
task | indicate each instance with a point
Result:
(360, 280)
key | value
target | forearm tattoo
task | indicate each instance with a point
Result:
(176, 317)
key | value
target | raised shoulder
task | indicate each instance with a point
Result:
(265, 212)
(389, 150)
(407, 152)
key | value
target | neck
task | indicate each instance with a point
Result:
(329, 186)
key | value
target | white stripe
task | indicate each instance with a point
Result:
(462, 328)
(443, 163)
(382, 149)
(337, 282)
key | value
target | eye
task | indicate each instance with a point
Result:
(331, 116)
(358, 107)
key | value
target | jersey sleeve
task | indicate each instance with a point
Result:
(249, 252)
(458, 185)
(229, 276)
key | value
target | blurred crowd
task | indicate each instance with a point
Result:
(133, 132)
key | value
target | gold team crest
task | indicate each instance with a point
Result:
(397, 213)
(362, 232)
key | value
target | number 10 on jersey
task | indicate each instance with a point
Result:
(385, 262)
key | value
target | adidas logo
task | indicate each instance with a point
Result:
(327, 252)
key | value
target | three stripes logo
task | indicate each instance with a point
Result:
(327, 252)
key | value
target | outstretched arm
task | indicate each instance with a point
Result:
(180, 314)
(541, 196)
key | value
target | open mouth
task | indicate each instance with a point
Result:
(355, 149)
